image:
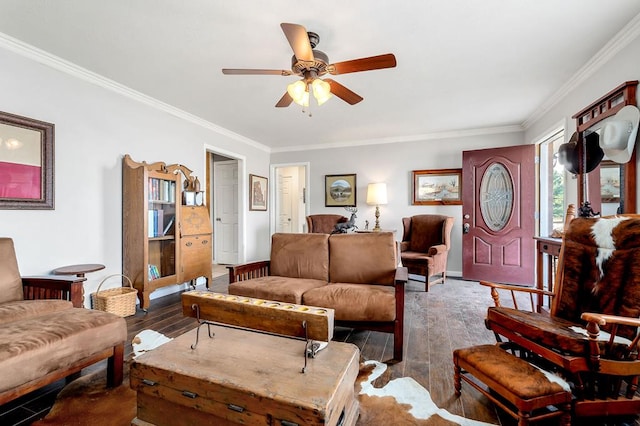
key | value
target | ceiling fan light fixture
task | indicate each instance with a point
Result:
(298, 92)
(321, 90)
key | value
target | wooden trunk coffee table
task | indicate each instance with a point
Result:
(245, 377)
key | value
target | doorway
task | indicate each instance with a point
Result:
(289, 196)
(223, 188)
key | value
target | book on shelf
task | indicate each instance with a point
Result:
(162, 190)
(169, 225)
(150, 224)
(172, 192)
(155, 223)
(154, 273)
(159, 224)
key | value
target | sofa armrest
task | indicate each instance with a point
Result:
(440, 248)
(402, 275)
(246, 271)
(404, 246)
(55, 287)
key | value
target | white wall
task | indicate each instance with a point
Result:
(393, 163)
(94, 128)
(621, 67)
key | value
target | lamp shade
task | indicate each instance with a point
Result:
(377, 194)
(299, 92)
(321, 90)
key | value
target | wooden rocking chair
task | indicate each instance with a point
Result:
(590, 336)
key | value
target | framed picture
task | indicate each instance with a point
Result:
(431, 187)
(26, 163)
(258, 192)
(609, 182)
(340, 190)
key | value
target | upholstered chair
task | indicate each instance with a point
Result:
(425, 246)
(323, 223)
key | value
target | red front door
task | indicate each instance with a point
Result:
(498, 196)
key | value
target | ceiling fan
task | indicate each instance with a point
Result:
(311, 64)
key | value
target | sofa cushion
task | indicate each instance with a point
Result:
(366, 258)
(10, 281)
(21, 310)
(300, 256)
(355, 302)
(37, 346)
(282, 289)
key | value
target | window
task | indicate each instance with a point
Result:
(552, 185)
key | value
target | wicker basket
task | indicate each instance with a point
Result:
(120, 300)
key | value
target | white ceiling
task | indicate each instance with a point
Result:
(462, 64)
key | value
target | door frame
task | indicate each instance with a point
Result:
(243, 196)
(274, 190)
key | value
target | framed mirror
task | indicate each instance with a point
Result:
(26, 163)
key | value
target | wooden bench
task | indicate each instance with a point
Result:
(513, 384)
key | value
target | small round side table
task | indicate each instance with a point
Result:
(78, 270)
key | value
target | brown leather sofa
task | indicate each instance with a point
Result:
(425, 246)
(42, 341)
(357, 275)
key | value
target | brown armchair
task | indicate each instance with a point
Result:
(323, 223)
(590, 336)
(425, 246)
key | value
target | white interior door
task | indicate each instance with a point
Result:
(289, 198)
(226, 211)
(285, 201)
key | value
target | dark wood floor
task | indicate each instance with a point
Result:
(450, 316)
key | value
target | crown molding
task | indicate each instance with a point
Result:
(26, 50)
(404, 139)
(621, 40)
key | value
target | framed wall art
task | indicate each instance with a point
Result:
(258, 193)
(26, 163)
(340, 190)
(432, 187)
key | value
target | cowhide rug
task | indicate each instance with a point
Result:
(401, 401)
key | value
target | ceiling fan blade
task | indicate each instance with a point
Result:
(299, 41)
(284, 101)
(343, 93)
(364, 64)
(236, 71)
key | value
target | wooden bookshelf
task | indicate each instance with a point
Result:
(152, 237)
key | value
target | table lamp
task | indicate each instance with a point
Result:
(377, 196)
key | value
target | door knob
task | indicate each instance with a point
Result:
(465, 228)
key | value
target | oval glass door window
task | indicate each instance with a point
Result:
(496, 197)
